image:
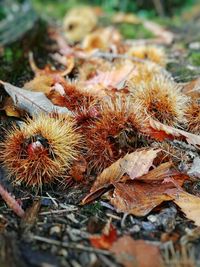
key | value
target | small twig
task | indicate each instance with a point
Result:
(115, 217)
(11, 202)
(112, 56)
(70, 246)
(52, 199)
(123, 220)
(57, 211)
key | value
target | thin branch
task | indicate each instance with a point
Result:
(70, 246)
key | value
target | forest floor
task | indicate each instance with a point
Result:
(56, 229)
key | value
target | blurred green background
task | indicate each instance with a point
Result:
(23, 26)
(147, 8)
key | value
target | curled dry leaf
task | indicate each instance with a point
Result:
(11, 202)
(10, 108)
(161, 131)
(136, 253)
(69, 62)
(135, 165)
(188, 203)
(32, 102)
(159, 174)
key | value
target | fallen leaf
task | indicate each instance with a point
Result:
(11, 202)
(32, 102)
(189, 204)
(135, 165)
(163, 171)
(139, 162)
(10, 108)
(69, 63)
(139, 198)
(30, 216)
(161, 132)
(108, 237)
(136, 253)
(115, 78)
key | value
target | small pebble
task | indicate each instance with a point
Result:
(148, 226)
(152, 218)
(55, 230)
(135, 229)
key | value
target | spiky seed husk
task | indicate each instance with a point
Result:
(149, 52)
(145, 72)
(113, 134)
(46, 161)
(78, 22)
(192, 115)
(162, 99)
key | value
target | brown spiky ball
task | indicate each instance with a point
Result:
(192, 115)
(78, 22)
(145, 72)
(162, 99)
(150, 52)
(41, 151)
(113, 134)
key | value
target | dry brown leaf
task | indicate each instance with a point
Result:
(32, 102)
(48, 71)
(139, 162)
(30, 216)
(106, 239)
(139, 198)
(10, 109)
(115, 78)
(135, 165)
(160, 173)
(161, 131)
(188, 203)
(136, 253)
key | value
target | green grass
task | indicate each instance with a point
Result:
(130, 31)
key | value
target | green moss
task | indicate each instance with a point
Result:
(195, 58)
(92, 209)
(130, 31)
(181, 73)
